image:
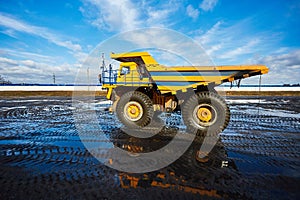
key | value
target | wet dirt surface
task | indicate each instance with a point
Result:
(42, 156)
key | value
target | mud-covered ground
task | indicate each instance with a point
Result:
(42, 156)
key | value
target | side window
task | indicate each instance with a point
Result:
(125, 70)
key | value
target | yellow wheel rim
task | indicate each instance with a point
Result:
(133, 111)
(204, 114)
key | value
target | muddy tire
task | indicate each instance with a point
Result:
(134, 109)
(206, 114)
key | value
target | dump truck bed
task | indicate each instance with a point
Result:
(175, 78)
(180, 77)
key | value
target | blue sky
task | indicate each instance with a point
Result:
(39, 37)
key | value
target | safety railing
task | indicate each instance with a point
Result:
(110, 77)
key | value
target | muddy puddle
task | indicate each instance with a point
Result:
(42, 155)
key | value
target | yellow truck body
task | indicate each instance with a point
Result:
(142, 87)
(142, 70)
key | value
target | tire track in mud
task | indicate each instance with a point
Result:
(40, 123)
(238, 120)
(68, 164)
(264, 122)
(40, 146)
(266, 141)
(71, 180)
(67, 173)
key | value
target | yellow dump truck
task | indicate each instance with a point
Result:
(141, 89)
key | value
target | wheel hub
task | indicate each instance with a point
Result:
(133, 111)
(204, 114)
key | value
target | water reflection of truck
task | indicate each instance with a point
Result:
(128, 181)
(141, 87)
(177, 177)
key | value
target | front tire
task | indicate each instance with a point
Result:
(206, 113)
(134, 109)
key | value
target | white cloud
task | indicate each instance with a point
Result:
(210, 35)
(246, 48)
(125, 15)
(9, 32)
(230, 44)
(283, 68)
(24, 55)
(160, 14)
(20, 65)
(29, 71)
(80, 56)
(213, 49)
(162, 42)
(5, 62)
(118, 15)
(236, 44)
(14, 24)
(192, 12)
(290, 60)
(208, 5)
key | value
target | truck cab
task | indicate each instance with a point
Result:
(130, 73)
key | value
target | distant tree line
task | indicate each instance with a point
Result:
(3, 81)
(291, 85)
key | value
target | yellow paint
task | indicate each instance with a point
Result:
(230, 79)
(204, 114)
(109, 92)
(261, 68)
(147, 58)
(181, 78)
(218, 68)
(140, 66)
(133, 111)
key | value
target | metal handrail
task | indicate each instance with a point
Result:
(110, 77)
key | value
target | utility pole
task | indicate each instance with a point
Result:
(88, 77)
(53, 78)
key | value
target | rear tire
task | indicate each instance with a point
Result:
(134, 109)
(206, 113)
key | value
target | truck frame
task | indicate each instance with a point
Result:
(142, 88)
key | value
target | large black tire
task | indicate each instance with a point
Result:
(206, 113)
(134, 109)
